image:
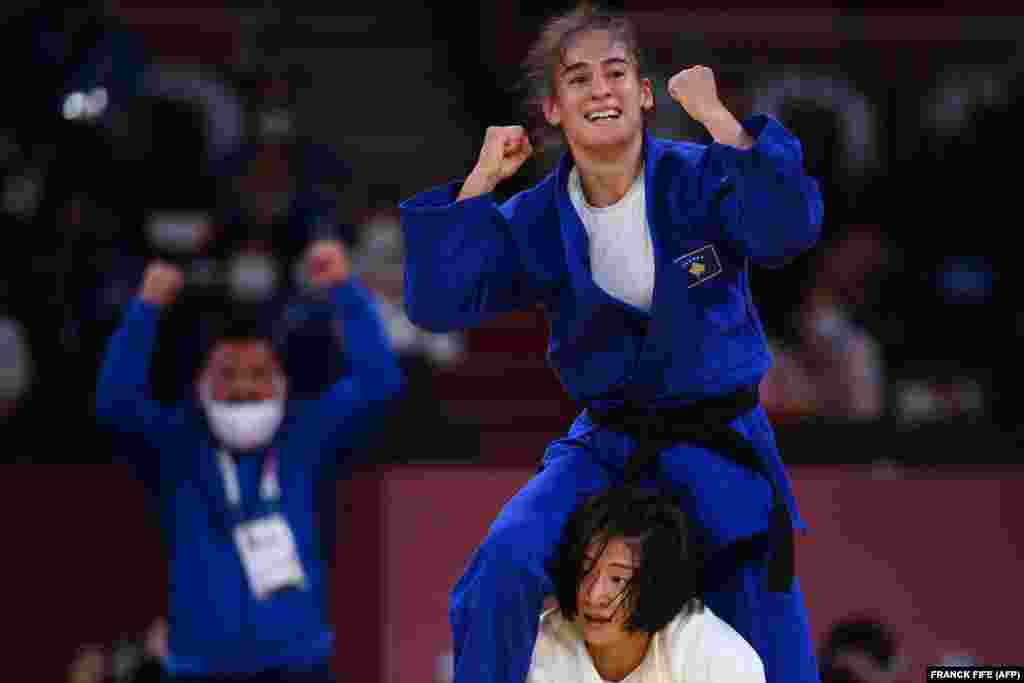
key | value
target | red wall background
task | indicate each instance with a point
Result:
(936, 554)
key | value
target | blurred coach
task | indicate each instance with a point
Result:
(237, 468)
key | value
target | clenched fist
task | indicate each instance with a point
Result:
(161, 283)
(327, 263)
(695, 89)
(504, 151)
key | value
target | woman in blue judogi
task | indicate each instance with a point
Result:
(639, 250)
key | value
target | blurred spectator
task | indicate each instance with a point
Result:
(238, 468)
(20, 402)
(380, 262)
(836, 122)
(142, 659)
(955, 657)
(155, 642)
(78, 66)
(941, 398)
(961, 285)
(179, 218)
(237, 237)
(838, 130)
(77, 62)
(861, 649)
(835, 367)
(233, 214)
(281, 188)
(90, 665)
(154, 201)
(221, 106)
(16, 369)
(444, 668)
(239, 222)
(130, 660)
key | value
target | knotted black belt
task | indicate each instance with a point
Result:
(706, 423)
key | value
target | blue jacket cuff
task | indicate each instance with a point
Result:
(771, 141)
(350, 293)
(443, 198)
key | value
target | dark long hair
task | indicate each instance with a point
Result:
(671, 554)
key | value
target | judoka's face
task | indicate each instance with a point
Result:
(243, 371)
(601, 601)
(599, 98)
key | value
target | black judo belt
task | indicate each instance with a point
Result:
(707, 424)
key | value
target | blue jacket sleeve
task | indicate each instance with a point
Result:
(123, 400)
(461, 262)
(351, 408)
(772, 211)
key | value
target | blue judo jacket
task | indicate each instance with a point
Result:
(713, 210)
(217, 625)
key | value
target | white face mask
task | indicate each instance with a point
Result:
(243, 426)
(828, 323)
(178, 233)
(252, 277)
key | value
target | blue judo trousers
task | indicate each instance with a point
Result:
(713, 211)
(494, 605)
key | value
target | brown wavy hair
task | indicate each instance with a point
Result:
(548, 53)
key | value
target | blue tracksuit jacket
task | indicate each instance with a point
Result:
(713, 211)
(217, 626)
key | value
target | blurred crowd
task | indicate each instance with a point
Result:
(110, 157)
(130, 660)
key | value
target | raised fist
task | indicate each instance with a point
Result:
(327, 263)
(161, 283)
(504, 151)
(696, 91)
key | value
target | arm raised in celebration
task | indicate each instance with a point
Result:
(462, 261)
(772, 211)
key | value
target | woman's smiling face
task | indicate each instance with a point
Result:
(599, 98)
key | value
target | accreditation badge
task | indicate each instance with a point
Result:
(269, 555)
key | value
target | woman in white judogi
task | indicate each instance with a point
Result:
(626, 577)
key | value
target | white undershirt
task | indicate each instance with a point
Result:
(621, 254)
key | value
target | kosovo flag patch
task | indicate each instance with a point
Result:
(700, 265)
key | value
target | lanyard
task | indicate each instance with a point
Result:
(270, 486)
